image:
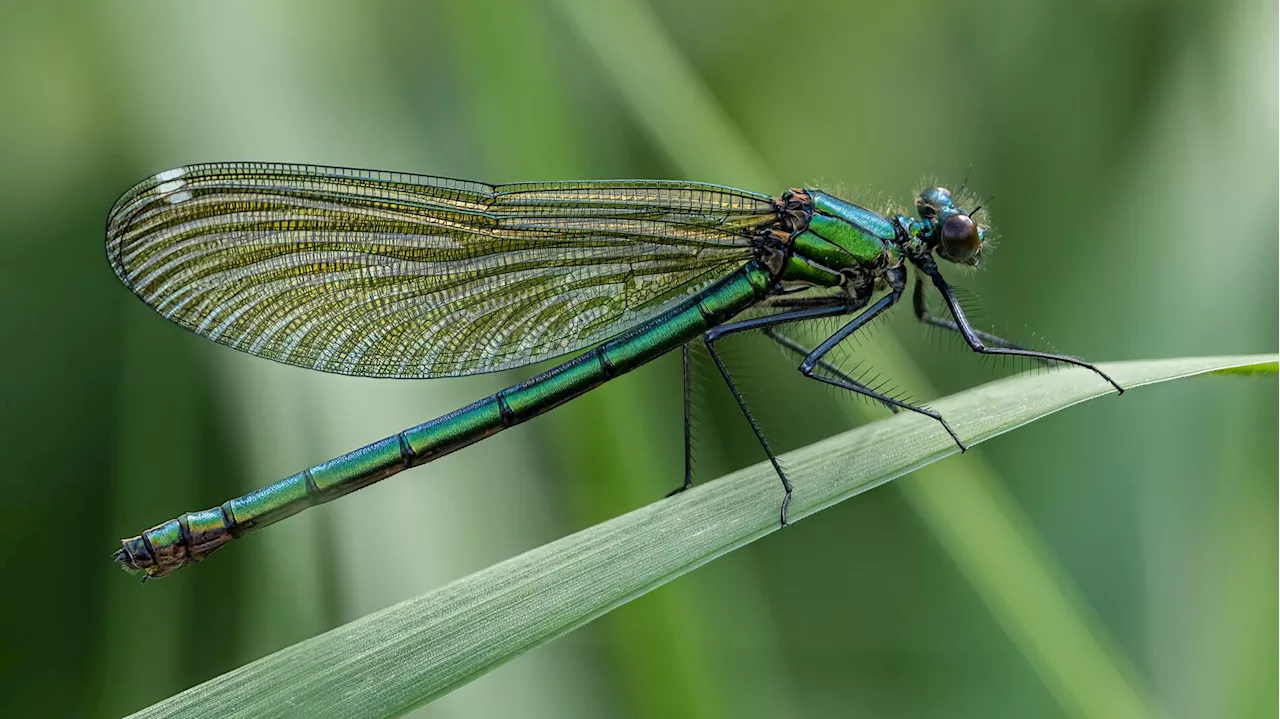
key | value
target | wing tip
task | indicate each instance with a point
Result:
(167, 186)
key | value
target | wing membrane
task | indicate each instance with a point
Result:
(395, 275)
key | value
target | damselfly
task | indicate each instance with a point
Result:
(393, 275)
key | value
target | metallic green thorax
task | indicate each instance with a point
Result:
(840, 235)
(176, 543)
(859, 231)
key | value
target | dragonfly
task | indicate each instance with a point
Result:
(382, 274)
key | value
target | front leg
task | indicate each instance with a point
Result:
(975, 338)
(922, 314)
(897, 282)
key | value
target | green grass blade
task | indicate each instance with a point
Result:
(389, 662)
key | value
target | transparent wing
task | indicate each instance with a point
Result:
(394, 275)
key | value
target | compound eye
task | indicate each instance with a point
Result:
(960, 241)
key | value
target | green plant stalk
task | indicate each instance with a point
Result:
(389, 662)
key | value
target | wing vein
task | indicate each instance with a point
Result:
(396, 275)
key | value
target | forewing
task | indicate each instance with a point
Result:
(394, 275)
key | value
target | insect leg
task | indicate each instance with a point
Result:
(922, 314)
(897, 282)
(974, 338)
(799, 349)
(817, 308)
(688, 421)
(755, 427)
(828, 308)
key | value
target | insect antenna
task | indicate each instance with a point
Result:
(965, 183)
(981, 204)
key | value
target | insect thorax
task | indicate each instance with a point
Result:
(827, 242)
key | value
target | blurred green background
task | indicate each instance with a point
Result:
(1131, 150)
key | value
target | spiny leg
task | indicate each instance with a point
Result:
(795, 303)
(813, 308)
(922, 314)
(799, 349)
(688, 421)
(755, 427)
(801, 308)
(886, 399)
(897, 282)
(974, 338)
(827, 307)
(844, 381)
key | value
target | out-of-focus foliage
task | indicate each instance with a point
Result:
(1130, 149)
